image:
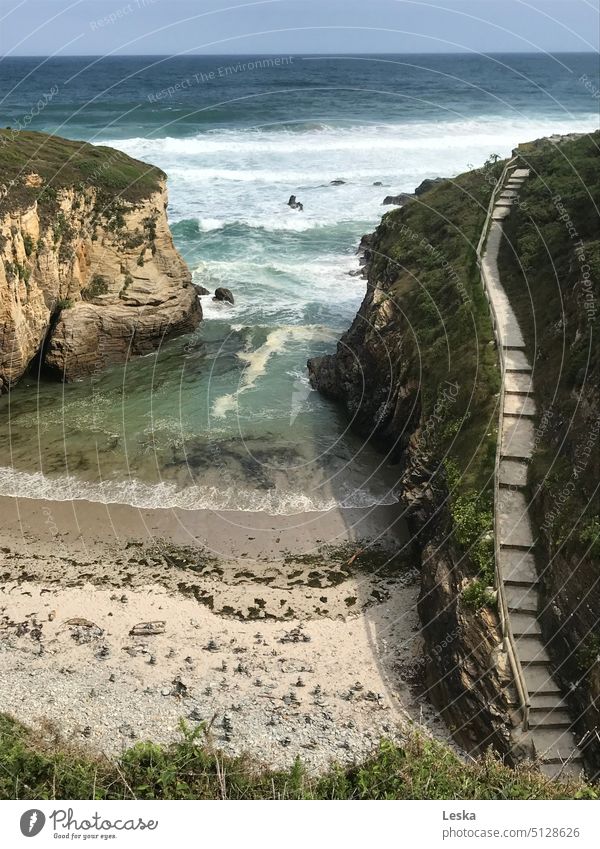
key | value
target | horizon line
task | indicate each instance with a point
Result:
(305, 53)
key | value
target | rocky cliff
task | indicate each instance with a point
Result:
(89, 274)
(417, 373)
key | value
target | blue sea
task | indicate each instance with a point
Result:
(225, 418)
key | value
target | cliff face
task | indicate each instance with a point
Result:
(417, 374)
(89, 274)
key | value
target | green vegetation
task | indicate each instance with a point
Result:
(64, 304)
(42, 766)
(472, 520)
(62, 163)
(16, 269)
(478, 594)
(426, 254)
(98, 286)
(126, 284)
(588, 654)
(589, 536)
(29, 244)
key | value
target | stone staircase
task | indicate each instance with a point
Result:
(541, 718)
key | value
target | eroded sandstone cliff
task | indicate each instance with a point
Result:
(89, 274)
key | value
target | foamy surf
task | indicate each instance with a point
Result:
(256, 361)
(166, 496)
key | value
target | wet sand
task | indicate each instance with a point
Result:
(80, 526)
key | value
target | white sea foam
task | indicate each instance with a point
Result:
(256, 361)
(440, 135)
(167, 496)
(246, 175)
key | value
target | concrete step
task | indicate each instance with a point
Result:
(512, 473)
(549, 719)
(517, 438)
(516, 361)
(502, 201)
(518, 383)
(554, 745)
(545, 703)
(540, 682)
(532, 652)
(521, 599)
(562, 771)
(514, 526)
(520, 172)
(519, 405)
(524, 623)
(500, 213)
(550, 724)
(517, 567)
(508, 193)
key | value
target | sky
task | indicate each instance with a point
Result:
(99, 27)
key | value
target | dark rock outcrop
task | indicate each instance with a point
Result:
(223, 294)
(293, 203)
(428, 184)
(397, 200)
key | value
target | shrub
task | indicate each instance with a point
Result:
(477, 594)
(590, 536)
(29, 244)
(43, 766)
(97, 286)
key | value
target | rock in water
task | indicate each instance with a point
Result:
(295, 204)
(200, 290)
(222, 294)
(89, 274)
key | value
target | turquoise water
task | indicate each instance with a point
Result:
(225, 418)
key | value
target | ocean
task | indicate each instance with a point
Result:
(225, 418)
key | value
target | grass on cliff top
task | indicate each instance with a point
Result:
(63, 163)
(41, 766)
(426, 250)
(426, 254)
(550, 263)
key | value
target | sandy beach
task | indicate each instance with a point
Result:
(285, 635)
